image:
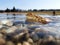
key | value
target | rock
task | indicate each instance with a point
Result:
(25, 43)
(10, 43)
(30, 41)
(34, 37)
(7, 22)
(18, 43)
(11, 29)
(1, 35)
(35, 18)
(3, 30)
(50, 38)
(2, 41)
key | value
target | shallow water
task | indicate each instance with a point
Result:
(53, 26)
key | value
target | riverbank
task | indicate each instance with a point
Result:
(35, 12)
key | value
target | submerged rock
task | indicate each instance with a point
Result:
(7, 22)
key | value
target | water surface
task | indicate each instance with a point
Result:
(53, 26)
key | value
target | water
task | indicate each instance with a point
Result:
(13, 17)
(53, 26)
